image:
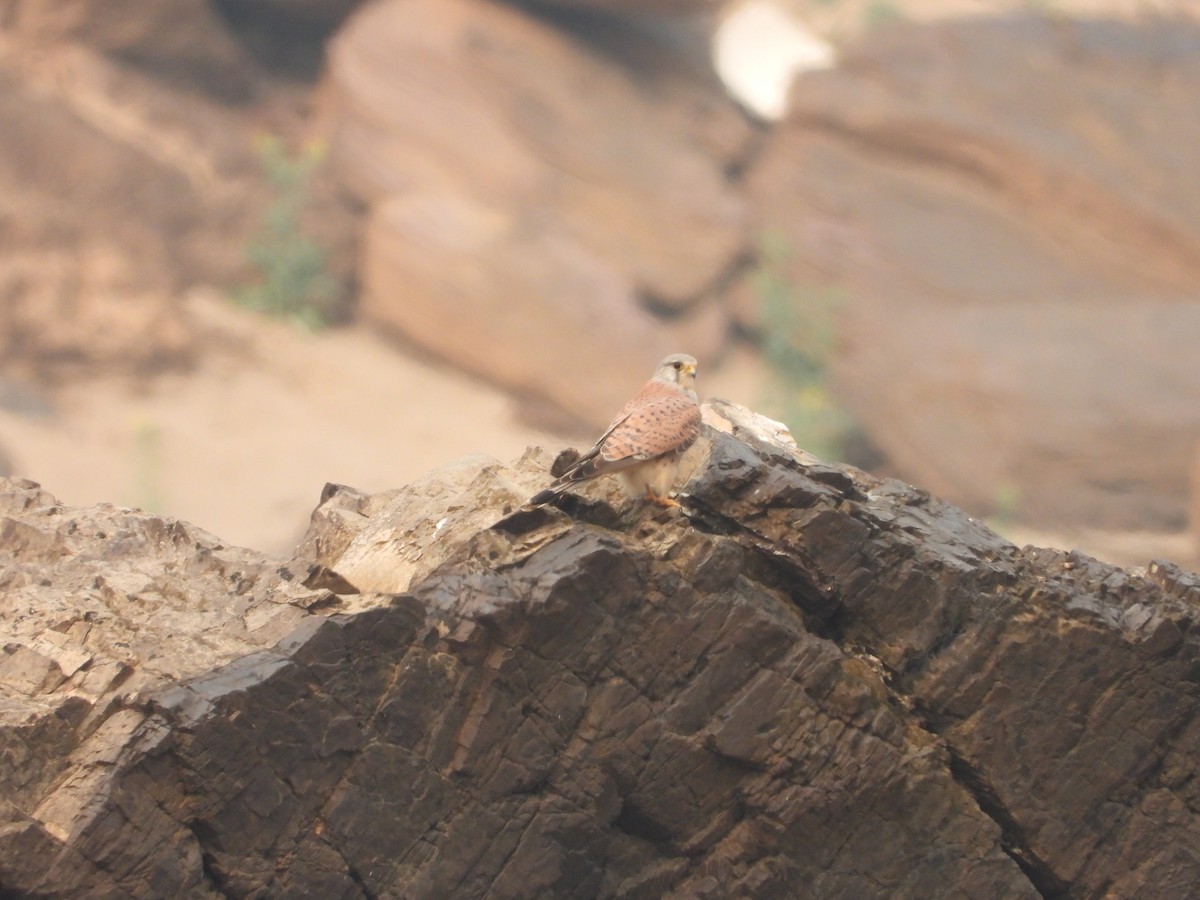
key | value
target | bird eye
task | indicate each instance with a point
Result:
(678, 365)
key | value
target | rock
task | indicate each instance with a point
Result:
(512, 230)
(811, 682)
(386, 542)
(502, 301)
(1006, 208)
(325, 14)
(1195, 501)
(213, 48)
(74, 294)
(144, 116)
(158, 599)
(187, 40)
(634, 7)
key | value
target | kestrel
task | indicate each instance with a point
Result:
(646, 440)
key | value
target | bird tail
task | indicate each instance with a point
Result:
(547, 495)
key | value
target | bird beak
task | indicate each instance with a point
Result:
(691, 370)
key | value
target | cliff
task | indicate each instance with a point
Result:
(806, 683)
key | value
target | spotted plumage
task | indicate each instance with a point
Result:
(648, 437)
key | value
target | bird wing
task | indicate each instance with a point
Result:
(660, 419)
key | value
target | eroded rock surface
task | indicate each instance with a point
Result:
(809, 683)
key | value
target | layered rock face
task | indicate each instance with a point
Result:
(809, 682)
(1011, 226)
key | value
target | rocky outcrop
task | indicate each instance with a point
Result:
(808, 682)
(1194, 506)
(512, 228)
(1012, 229)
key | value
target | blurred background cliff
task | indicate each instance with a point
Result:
(250, 246)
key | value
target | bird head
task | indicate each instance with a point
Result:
(680, 369)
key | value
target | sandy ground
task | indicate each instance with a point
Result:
(243, 444)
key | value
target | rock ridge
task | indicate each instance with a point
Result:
(809, 683)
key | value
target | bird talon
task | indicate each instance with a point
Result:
(664, 502)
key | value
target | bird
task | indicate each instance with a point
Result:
(645, 442)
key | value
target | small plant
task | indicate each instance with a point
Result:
(879, 12)
(799, 337)
(148, 465)
(1046, 8)
(292, 270)
(1006, 507)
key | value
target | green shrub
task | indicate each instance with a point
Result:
(147, 470)
(879, 12)
(799, 336)
(292, 278)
